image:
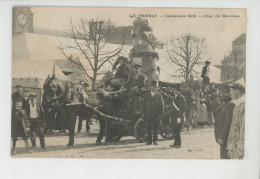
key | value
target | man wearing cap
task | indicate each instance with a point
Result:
(153, 111)
(37, 120)
(177, 115)
(236, 138)
(18, 95)
(205, 73)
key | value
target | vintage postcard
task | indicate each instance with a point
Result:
(164, 83)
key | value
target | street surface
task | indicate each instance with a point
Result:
(197, 143)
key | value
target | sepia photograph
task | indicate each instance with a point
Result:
(121, 83)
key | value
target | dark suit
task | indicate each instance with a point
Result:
(153, 109)
(222, 127)
(175, 114)
(36, 124)
(138, 82)
(203, 75)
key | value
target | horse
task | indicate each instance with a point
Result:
(71, 104)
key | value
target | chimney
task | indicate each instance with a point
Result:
(92, 29)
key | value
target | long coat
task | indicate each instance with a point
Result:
(153, 107)
(180, 102)
(236, 138)
(19, 123)
(223, 122)
(203, 114)
(204, 71)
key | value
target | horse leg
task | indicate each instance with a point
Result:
(102, 123)
(88, 121)
(71, 125)
(109, 132)
(14, 144)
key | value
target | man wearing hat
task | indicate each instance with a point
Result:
(205, 73)
(177, 115)
(236, 138)
(153, 111)
(137, 79)
(37, 120)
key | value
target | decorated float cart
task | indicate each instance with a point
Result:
(125, 105)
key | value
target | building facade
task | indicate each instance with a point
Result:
(233, 66)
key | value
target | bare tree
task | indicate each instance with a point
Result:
(185, 52)
(90, 39)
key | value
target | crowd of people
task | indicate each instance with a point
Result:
(197, 108)
(26, 109)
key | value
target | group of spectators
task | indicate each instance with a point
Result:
(27, 112)
(202, 106)
(225, 109)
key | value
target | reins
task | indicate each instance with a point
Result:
(57, 97)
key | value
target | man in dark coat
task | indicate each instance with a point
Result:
(216, 103)
(136, 80)
(37, 120)
(18, 95)
(222, 126)
(135, 88)
(205, 73)
(153, 111)
(177, 115)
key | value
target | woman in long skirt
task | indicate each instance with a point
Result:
(203, 114)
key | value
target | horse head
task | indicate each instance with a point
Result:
(50, 86)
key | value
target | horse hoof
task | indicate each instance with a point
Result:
(13, 152)
(70, 144)
(98, 143)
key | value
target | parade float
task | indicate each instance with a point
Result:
(126, 107)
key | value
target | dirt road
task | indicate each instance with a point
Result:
(196, 144)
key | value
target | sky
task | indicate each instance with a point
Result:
(167, 23)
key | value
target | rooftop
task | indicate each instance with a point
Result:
(240, 40)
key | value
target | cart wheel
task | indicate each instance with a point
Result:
(140, 130)
(166, 132)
